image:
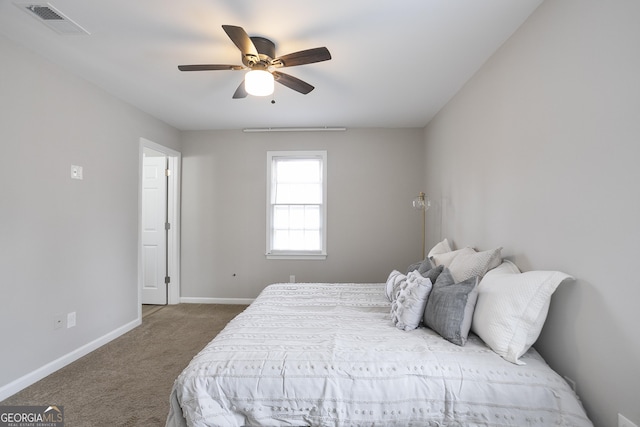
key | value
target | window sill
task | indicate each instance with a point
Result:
(299, 256)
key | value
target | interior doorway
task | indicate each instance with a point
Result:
(154, 234)
(159, 225)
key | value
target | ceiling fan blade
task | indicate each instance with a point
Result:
(308, 56)
(242, 40)
(240, 92)
(209, 67)
(292, 82)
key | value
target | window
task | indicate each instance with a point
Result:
(296, 204)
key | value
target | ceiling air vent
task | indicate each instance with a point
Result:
(52, 18)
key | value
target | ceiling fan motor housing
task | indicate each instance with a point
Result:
(266, 50)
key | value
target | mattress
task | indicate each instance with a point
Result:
(327, 355)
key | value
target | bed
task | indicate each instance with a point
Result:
(319, 354)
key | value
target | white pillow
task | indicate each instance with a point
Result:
(393, 282)
(407, 309)
(469, 264)
(446, 258)
(440, 248)
(512, 307)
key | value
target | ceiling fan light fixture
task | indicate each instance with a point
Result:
(258, 83)
(258, 58)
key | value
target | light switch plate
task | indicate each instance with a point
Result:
(71, 319)
(76, 172)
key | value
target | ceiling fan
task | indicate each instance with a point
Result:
(258, 56)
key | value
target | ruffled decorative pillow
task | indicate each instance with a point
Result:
(393, 282)
(408, 307)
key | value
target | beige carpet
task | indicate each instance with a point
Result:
(128, 381)
(148, 309)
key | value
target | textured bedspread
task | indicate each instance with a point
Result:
(327, 355)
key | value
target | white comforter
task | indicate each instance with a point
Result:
(327, 355)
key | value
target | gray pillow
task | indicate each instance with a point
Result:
(433, 273)
(423, 267)
(450, 307)
(414, 266)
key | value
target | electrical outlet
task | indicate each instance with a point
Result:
(624, 422)
(76, 172)
(58, 321)
(71, 319)
(292, 279)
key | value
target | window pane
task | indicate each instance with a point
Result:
(301, 233)
(296, 239)
(299, 217)
(312, 217)
(298, 170)
(312, 240)
(281, 239)
(296, 217)
(298, 193)
(280, 217)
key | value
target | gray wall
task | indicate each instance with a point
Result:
(65, 245)
(538, 153)
(373, 176)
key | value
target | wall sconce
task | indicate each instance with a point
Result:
(422, 203)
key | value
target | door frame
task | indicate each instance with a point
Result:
(173, 217)
(154, 233)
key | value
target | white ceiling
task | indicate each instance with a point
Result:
(395, 63)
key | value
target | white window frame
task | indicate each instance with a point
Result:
(297, 254)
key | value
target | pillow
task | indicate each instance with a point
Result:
(449, 309)
(408, 308)
(426, 264)
(420, 266)
(424, 268)
(414, 266)
(446, 258)
(512, 308)
(440, 248)
(433, 273)
(393, 282)
(471, 263)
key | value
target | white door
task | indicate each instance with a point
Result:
(154, 235)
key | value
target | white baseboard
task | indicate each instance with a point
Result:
(197, 300)
(35, 376)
